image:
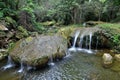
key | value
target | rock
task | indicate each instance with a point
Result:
(116, 66)
(37, 51)
(107, 60)
(117, 57)
(3, 28)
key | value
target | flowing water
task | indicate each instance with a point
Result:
(78, 66)
(73, 48)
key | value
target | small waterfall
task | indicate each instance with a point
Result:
(21, 67)
(90, 41)
(9, 64)
(81, 40)
(74, 43)
(51, 63)
(85, 42)
(76, 36)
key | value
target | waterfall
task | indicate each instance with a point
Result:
(74, 43)
(76, 36)
(81, 40)
(85, 44)
(90, 41)
(21, 67)
(51, 63)
(9, 64)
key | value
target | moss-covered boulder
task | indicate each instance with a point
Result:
(112, 33)
(37, 51)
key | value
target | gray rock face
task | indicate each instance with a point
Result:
(38, 50)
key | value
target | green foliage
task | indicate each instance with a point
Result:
(23, 31)
(10, 22)
(1, 14)
(11, 46)
(112, 31)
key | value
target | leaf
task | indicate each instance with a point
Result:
(1, 14)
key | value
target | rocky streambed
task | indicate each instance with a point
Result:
(39, 50)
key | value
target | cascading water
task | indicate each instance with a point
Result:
(74, 43)
(81, 40)
(90, 41)
(9, 64)
(21, 68)
(51, 63)
(83, 47)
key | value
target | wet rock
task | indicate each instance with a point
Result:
(36, 51)
(107, 60)
(117, 57)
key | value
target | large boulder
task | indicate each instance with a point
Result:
(117, 57)
(37, 51)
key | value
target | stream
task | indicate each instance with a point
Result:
(76, 66)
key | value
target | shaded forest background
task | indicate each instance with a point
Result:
(29, 13)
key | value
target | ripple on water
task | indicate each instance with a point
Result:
(78, 66)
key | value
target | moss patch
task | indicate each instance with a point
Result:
(112, 32)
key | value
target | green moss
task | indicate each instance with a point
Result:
(29, 39)
(11, 46)
(40, 62)
(66, 32)
(112, 32)
(48, 23)
(10, 21)
(22, 32)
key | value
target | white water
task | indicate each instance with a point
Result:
(9, 64)
(21, 68)
(90, 41)
(81, 40)
(74, 43)
(51, 63)
(87, 44)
